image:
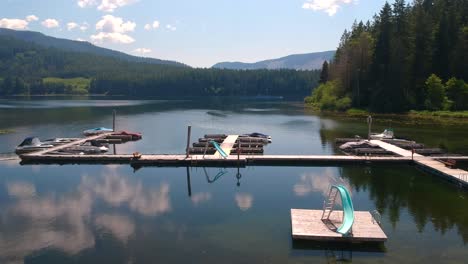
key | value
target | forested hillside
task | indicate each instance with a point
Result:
(78, 46)
(410, 56)
(27, 68)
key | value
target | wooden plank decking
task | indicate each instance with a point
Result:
(308, 225)
(429, 164)
(227, 145)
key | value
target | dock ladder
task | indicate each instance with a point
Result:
(329, 203)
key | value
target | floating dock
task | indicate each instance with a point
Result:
(308, 225)
(429, 164)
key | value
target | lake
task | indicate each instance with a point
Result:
(113, 214)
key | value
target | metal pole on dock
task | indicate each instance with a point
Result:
(113, 127)
(113, 119)
(369, 123)
(189, 132)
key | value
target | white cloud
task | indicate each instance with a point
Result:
(111, 5)
(142, 50)
(156, 24)
(86, 3)
(112, 24)
(72, 25)
(105, 5)
(50, 23)
(84, 26)
(102, 37)
(31, 18)
(113, 29)
(329, 6)
(13, 23)
(80, 39)
(171, 27)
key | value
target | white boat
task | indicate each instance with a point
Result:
(32, 144)
(387, 134)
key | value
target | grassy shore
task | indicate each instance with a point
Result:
(411, 117)
(6, 131)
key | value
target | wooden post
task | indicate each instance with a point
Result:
(189, 132)
(113, 119)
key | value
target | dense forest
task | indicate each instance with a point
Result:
(410, 56)
(31, 69)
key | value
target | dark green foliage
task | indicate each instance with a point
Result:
(435, 93)
(24, 65)
(457, 93)
(383, 65)
(324, 73)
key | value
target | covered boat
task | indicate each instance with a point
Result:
(257, 135)
(32, 144)
(97, 131)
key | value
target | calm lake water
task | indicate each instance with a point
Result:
(112, 214)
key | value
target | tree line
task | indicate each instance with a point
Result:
(26, 68)
(410, 56)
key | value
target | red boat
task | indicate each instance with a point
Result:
(134, 135)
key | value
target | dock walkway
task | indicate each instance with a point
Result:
(227, 145)
(428, 164)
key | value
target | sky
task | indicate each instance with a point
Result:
(198, 33)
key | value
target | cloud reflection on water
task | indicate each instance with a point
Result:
(313, 182)
(63, 221)
(244, 201)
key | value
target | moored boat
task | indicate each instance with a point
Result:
(97, 131)
(32, 144)
(387, 134)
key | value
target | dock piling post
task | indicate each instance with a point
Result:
(113, 119)
(189, 132)
(369, 123)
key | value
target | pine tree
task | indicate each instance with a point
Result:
(324, 73)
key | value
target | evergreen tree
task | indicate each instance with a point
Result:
(324, 73)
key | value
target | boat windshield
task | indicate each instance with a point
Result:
(30, 141)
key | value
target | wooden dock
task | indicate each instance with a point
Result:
(308, 225)
(429, 164)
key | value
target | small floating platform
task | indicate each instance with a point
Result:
(308, 225)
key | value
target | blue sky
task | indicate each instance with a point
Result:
(198, 33)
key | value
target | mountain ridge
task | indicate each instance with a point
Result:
(305, 61)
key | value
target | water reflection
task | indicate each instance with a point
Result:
(50, 221)
(65, 221)
(119, 226)
(244, 201)
(313, 182)
(152, 207)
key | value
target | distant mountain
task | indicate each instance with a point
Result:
(79, 46)
(309, 61)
